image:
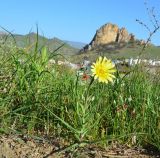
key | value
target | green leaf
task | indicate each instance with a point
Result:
(44, 56)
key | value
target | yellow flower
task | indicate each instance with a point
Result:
(103, 69)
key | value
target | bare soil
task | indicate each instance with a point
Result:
(18, 146)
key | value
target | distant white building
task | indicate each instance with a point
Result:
(136, 61)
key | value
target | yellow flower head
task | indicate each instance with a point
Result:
(103, 69)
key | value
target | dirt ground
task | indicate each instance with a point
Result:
(16, 146)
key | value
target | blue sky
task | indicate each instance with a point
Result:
(76, 20)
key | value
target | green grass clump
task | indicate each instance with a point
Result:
(38, 98)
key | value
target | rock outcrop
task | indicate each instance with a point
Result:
(106, 34)
(109, 33)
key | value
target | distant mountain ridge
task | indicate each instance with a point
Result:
(74, 44)
(52, 43)
(2, 33)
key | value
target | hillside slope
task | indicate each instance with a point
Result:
(29, 41)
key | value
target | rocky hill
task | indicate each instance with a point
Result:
(116, 43)
(107, 35)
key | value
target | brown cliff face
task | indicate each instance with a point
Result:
(106, 34)
(109, 33)
(124, 36)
